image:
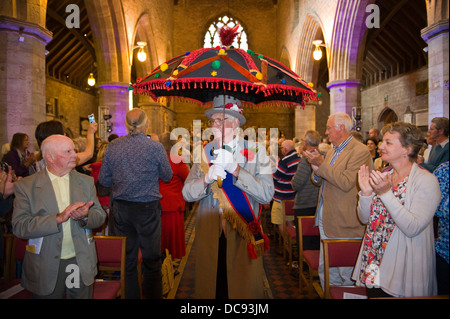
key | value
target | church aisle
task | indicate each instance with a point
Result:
(281, 281)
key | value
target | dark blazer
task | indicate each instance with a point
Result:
(13, 159)
(34, 216)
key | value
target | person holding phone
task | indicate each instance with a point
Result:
(48, 128)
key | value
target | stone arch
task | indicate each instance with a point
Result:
(311, 31)
(348, 31)
(111, 41)
(308, 69)
(386, 116)
(143, 31)
(284, 57)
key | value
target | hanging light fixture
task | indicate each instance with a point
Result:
(91, 79)
(141, 55)
(317, 54)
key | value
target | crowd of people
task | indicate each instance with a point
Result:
(386, 190)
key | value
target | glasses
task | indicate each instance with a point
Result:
(217, 122)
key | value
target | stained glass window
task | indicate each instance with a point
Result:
(212, 34)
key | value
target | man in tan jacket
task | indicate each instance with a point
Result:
(338, 172)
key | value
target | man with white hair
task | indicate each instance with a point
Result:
(338, 172)
(56, 210)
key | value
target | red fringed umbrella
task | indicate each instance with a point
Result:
(205, 73)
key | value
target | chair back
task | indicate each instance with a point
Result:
(288, 207)
(338, 253)
(306, 226)
(111, 253)
(342, 253)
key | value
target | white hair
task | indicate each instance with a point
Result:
(341, 118)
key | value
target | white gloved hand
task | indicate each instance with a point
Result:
(225, 160)
(214, 172)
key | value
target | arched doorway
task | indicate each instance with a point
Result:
(386, 116)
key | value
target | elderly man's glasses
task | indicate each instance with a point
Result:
(217, 122)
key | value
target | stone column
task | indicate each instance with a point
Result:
(344, 95)
(161, 118)
(436, 36)
(114, 95)
(305, 119)
(22, 77)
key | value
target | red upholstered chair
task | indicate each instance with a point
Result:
(289, 231)
(7, 255)
(340, 253)
(310, 257)
(111, 252)
(14, 255)
(18, 254)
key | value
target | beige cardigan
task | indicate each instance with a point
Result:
(408, 265)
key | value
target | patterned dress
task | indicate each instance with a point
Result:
(441, 173)
(378, 233)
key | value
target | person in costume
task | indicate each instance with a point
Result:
(229, 239)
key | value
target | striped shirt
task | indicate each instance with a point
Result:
(286, 169)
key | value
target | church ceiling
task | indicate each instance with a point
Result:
(71, 54)
(396, 47)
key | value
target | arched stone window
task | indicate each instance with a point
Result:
(212, 35)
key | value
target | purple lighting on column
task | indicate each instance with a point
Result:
(348, 83)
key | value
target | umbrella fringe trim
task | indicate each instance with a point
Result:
(231, 85)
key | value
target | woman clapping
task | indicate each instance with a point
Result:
(397, 256)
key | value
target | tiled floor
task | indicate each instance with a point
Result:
(282, 280)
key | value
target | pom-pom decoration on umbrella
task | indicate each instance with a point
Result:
(200, 75)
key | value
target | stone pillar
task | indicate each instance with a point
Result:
(161, 118)
(344, 95)
(153, 109)
(436, 36)
(115, 96)
(22, 77)
(305, 119)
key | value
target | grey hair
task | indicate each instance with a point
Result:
(341, 118)
(312, 138)
(136, 126)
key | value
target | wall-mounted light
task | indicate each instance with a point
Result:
(317, 54)
(21, 37)
(91, 79)
(141, 53)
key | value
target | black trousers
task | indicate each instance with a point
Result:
(442, 275)
(141, 224)
(221, 279)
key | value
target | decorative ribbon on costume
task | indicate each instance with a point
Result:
(237, 209)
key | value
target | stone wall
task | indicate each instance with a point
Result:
(71, 106)
(396, 93)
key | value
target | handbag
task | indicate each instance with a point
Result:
(167, 273)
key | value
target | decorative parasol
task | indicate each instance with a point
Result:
(203, 74)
